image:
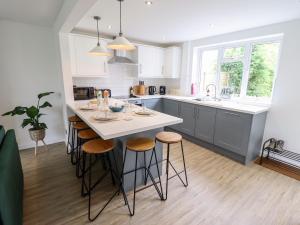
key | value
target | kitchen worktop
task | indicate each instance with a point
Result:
(227, 105)
(121, 127)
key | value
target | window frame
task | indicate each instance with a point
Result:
(246, 60)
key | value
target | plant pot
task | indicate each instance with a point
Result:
(37, 135)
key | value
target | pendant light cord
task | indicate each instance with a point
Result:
(98, 44)
(120, 34)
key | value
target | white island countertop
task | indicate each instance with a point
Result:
(122, 127)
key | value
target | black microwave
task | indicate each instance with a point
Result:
(83, 93)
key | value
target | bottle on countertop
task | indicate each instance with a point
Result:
(193, 89)
(99, 97)
(105, 96)
(131, 92)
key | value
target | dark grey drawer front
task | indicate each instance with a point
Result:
(232, 131)
(205, 123)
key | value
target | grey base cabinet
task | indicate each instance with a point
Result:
(154, 104)
(238, 135)
(205, 123)
(232, 131)
(171, 107)
(187, 112)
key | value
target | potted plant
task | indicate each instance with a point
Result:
(37, 130)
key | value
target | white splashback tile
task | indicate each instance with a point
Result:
(121, 78)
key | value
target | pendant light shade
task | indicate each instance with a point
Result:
(99, 50)
(120, 42)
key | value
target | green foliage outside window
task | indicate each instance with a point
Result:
(262, 70)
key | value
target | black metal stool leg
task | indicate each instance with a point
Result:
(68, 143)
(89, 186)
(167, 171)
(161, 189)
(111, 171)
(145, 171)
(186, 179)
(149, 167)
(73, 147)
(78, 157)
(121, 182)
(83, 173)
(134, 190)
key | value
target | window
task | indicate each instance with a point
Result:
(246, 69)
(209, 65)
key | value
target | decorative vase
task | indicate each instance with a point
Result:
(36, 136)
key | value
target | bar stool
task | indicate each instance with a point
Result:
(82, 137)
(71, 121)
(142, 145)
(100, 147)
(172, 138)
(78, 126)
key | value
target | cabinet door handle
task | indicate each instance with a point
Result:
(162, 70)
(195, 113)
(232, 114)
(141, 69)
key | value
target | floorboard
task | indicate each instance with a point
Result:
(220, 192)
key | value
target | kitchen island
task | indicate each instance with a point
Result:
(127, 125)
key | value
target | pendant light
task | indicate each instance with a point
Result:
(99, 50)
(120, 42)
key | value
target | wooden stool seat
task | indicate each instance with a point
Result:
(98, 146)
(168, 137)
(87, 134)
(74, 119)
(80, 126)
(140, 144)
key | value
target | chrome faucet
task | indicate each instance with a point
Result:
(207, 91)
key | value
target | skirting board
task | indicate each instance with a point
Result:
(49, 141)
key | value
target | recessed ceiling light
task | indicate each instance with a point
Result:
(148, 2)
(109, 27)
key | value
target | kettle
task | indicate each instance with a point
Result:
(152, 90)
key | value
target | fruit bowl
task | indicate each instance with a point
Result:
(116, 108)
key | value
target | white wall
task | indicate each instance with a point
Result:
(284, 117)
(29, 65)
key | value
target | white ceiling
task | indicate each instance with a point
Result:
(39, 12)
(168, 21)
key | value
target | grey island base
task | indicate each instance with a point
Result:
(119, 151)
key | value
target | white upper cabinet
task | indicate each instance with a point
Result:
(172, 62)
(155, 62)
(82, 63)
(151, 61)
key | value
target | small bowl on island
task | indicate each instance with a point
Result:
(116, 108)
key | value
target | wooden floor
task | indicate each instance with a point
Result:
(220, 191)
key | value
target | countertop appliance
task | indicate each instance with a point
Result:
(152, 90)
(162, 90)
(109, 91)
(83, 93)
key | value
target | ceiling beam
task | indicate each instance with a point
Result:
(71, 13)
